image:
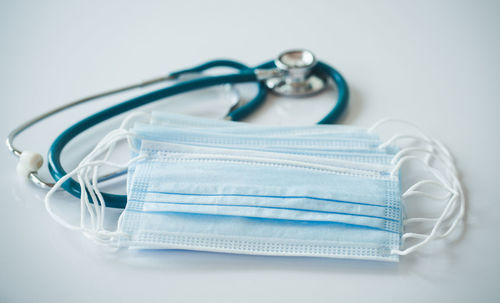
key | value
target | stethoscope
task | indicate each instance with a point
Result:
(295, 73)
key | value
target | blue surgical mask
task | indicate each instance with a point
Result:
(324, 191)
(328, 194)
(291, 184)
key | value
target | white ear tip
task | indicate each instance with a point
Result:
(28, 162)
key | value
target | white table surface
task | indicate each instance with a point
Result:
(436, 63)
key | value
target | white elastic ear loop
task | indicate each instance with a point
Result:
(443, 183)
(461, 211)
(396, 137)
(432, 170)
(447, 211)
(97, 209)
(100, 234)
(56, 186)
(455, 193)
(430, 236)
(100, 198)
(96, 219)
(122, 130)
(99, 203)
(423, 136)
(445, 161)
(425, 238)
(86, 203)
(105, 143)
(412, 190)
(450, 170)
(86, 163)
(59, 183)
(108, 143)
(451, 200)
(429, 143)
(455, 199)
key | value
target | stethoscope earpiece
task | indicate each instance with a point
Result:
(29, 162)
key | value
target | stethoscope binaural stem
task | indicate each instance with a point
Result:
(18, 130)
(33, 176)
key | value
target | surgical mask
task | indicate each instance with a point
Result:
(304, 196)
(375, 214)
(274, 185)
(274, 195)
(209, 190)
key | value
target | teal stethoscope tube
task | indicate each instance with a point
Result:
(245, 74)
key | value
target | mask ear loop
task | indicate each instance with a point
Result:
(92, 186)
(448, 210)
(86, 162)
(422, 136)
(450, 170)
(413, 190)
(96, 231)
(442, 184)
(455, 196)
(461, 211)
(101, 235)
(99, 202)
(452, 173)
(93, 211)
(97, 209)
(430, 153)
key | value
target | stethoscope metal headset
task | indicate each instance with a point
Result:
(295, 73)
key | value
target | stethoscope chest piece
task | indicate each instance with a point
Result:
(297, 78)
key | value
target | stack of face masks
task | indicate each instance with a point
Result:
(210, 185)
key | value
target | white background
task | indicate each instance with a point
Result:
(436, 63)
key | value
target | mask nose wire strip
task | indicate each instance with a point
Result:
(449, 182)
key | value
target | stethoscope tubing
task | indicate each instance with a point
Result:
(245, 74)
(36, 179)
